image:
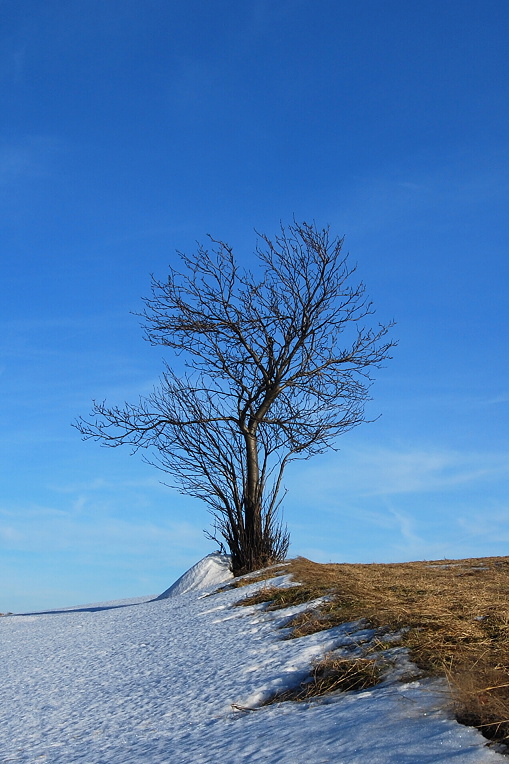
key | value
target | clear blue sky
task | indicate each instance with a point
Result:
(132, 128)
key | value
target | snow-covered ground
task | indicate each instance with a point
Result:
(153, 682)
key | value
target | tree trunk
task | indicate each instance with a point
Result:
(252, 490)
(253, 554)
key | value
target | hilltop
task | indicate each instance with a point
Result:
(191, 677)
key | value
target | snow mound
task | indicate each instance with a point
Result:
(211, 571)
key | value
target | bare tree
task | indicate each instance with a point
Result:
(277, 367)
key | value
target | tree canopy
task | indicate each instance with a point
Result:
(278, 364)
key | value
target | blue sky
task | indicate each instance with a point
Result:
(130, 129)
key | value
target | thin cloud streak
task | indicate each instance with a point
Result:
(42, 529)
(374, 472)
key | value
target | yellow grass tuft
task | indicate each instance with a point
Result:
(332, 674)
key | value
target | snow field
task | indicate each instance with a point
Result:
(153, 682)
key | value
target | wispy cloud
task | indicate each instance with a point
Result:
(490, 525)
(83, 529)
(385, 472)
(404, 197)
(395, 504)
(103, 485)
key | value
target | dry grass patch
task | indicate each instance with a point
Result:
(456, 617)
(332, 674)
(254, 578)
(278, 598)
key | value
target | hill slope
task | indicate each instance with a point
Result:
(181, 679)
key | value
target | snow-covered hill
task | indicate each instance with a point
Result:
(161, 681)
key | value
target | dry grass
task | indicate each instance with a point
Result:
(278, 598)
(332, 674)
(254, 578)
(455, 612)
